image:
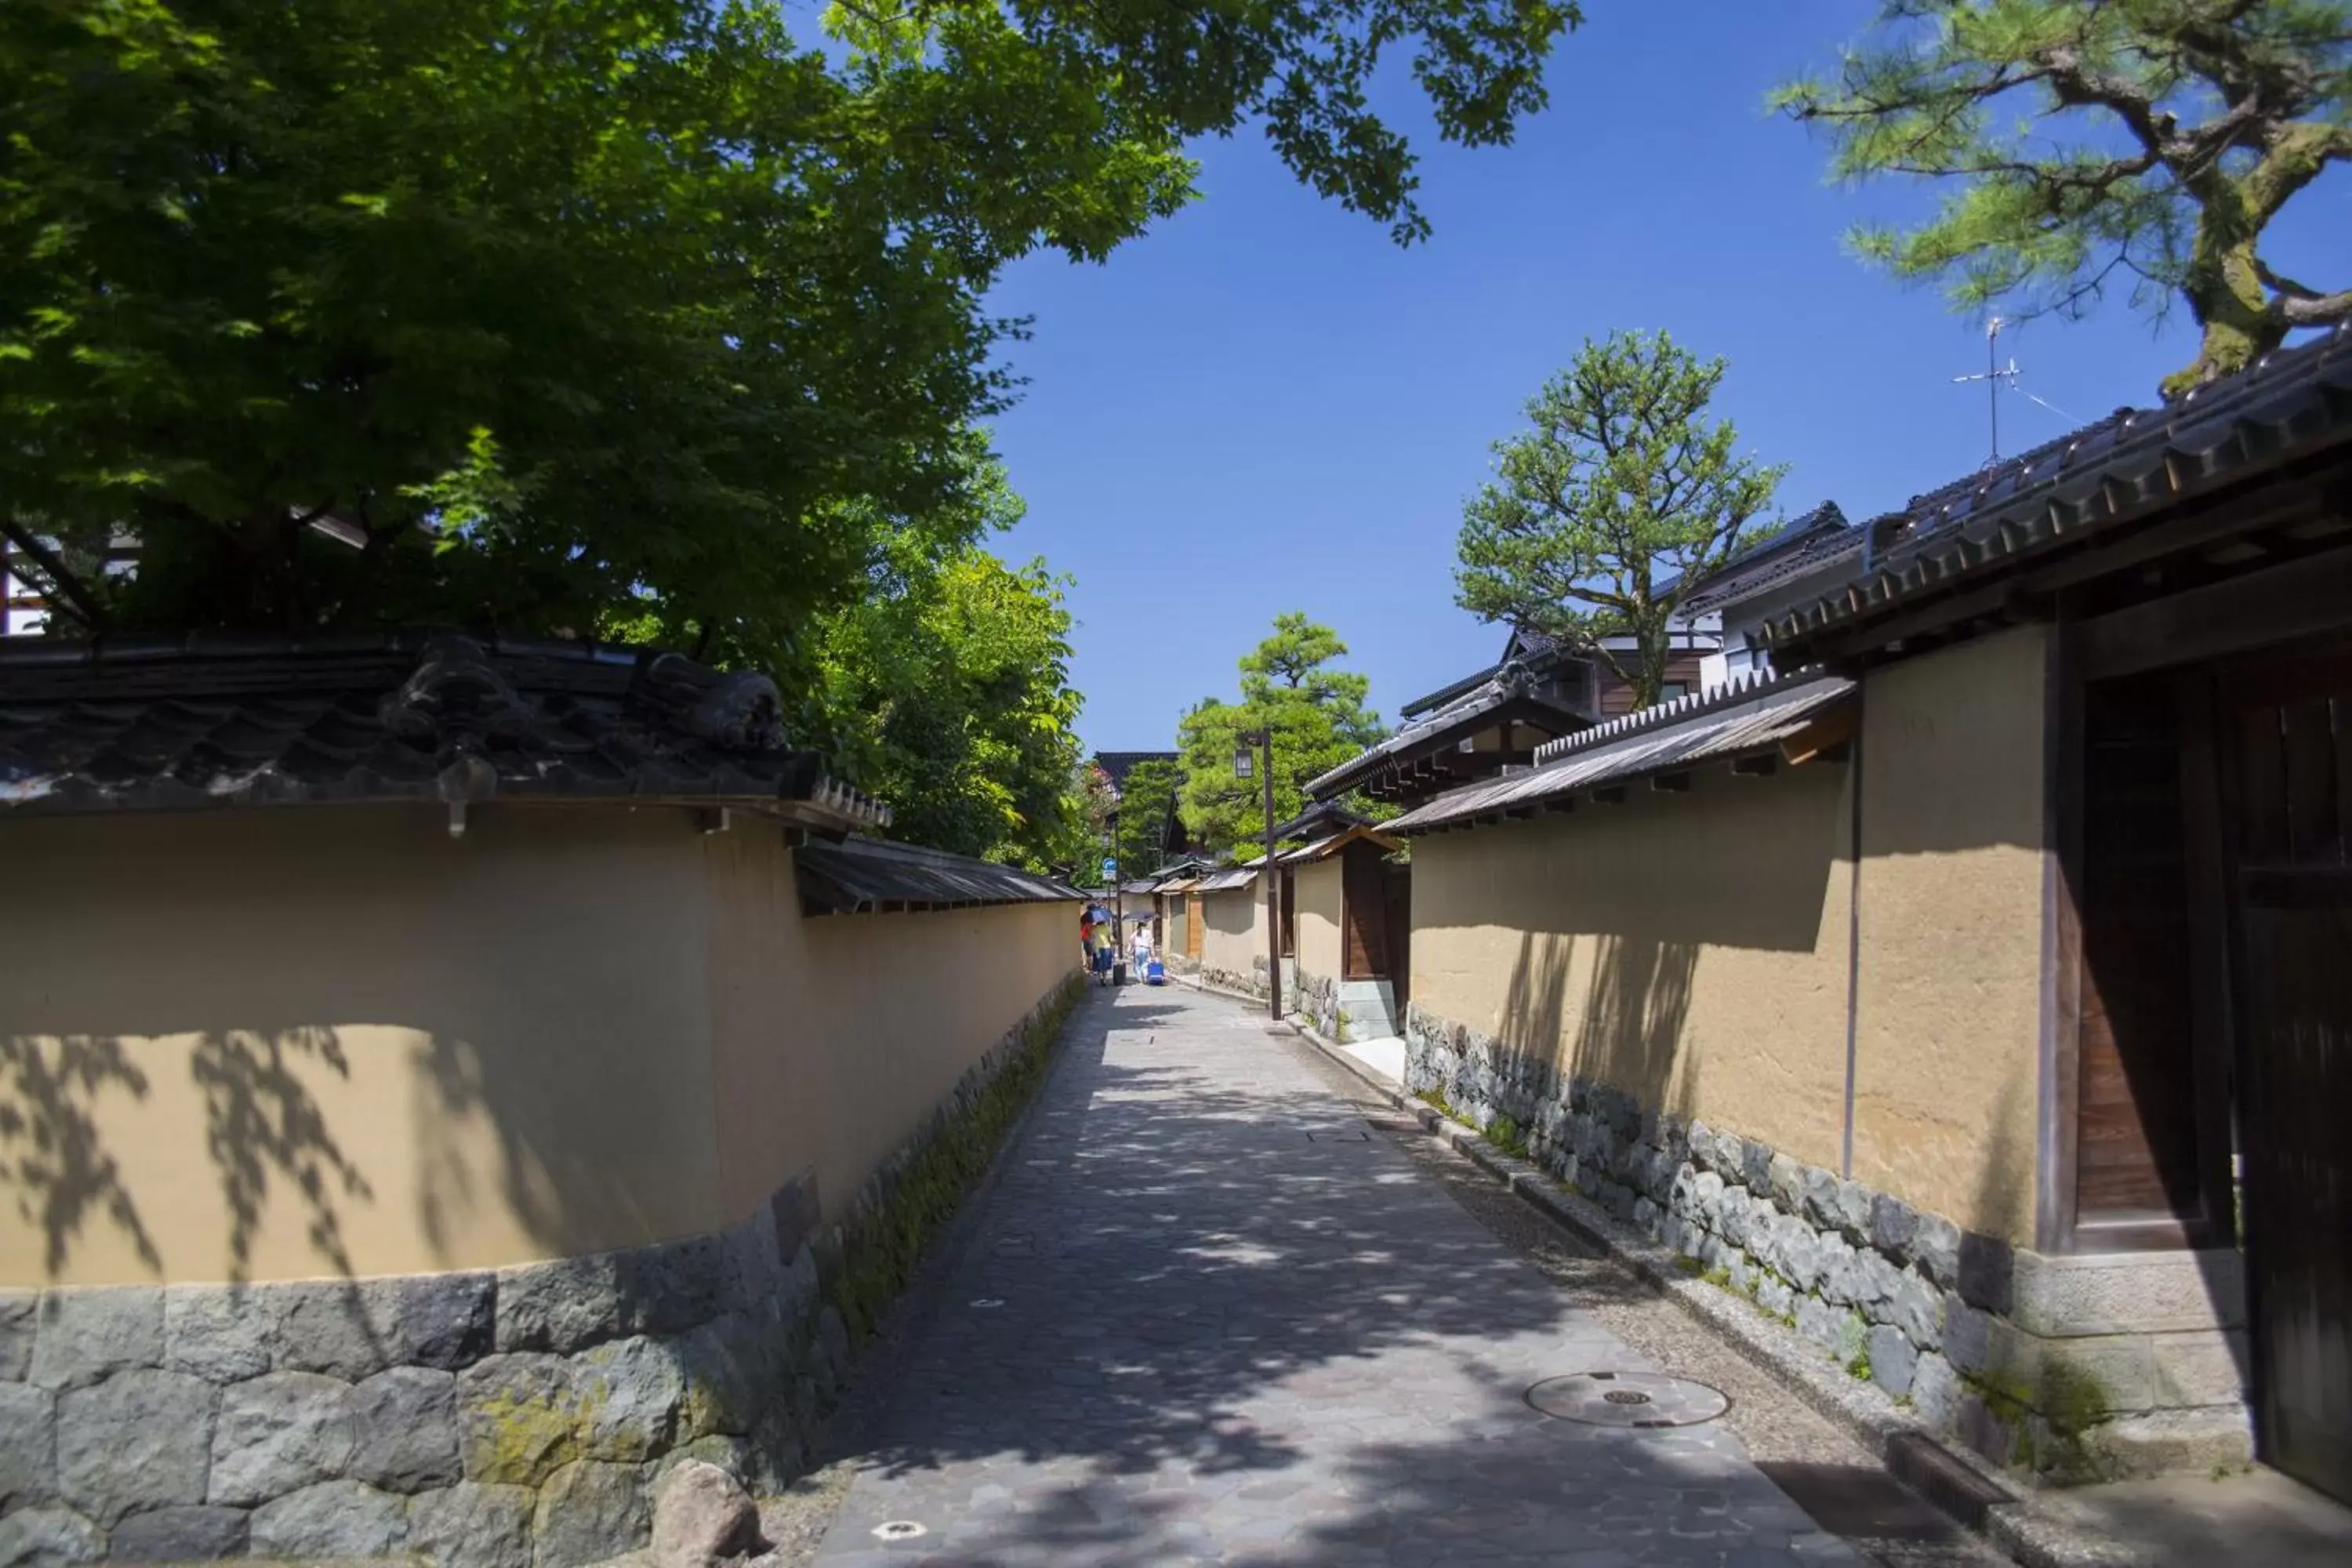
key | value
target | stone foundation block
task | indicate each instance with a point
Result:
(1985, 1268)
(1917, 1308)
(50, 1534)
(1936, 1248)
(727, 1369)
(471, 1525)
(19, 1323)
(2162, 1440)
(563, 1306)
(338, 1328)
(406, 1422)
(28, 1445)
(516, 1423)
(182, 1535)
(670, 1288)
(218, 1332)
(1936, 1391)
(84, 1335)
(335, 1519)
(2129, 1292)
(586, 1506)
(445, 1320)
(140, 1440)
(2083, 1382)
(2212, 1367)
(278, 1434)
(627, 1393)
(1892, 1226)
(1894, 1361)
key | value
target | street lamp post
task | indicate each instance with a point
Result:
(1263, 740)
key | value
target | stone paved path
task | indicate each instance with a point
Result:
(1205, 1317)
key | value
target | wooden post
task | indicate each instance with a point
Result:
(1273, 893)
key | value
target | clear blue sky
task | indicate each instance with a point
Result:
(1266, 406)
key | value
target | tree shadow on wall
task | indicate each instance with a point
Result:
(262, 1128)
(51, 1151)
(260, 1121)
(1629, 1030)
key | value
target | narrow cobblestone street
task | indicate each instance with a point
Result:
(1208, 1315)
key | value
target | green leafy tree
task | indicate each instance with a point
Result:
(2151, 143)
(945, 691)
(1091, 801)
(1318, 718)
(586, 314)
(1621, 497)
(1147, 801)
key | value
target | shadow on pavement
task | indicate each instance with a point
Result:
(1204, 1312)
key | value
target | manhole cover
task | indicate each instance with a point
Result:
(899, 1530)
(1628, 1399)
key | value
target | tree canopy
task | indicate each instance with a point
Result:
(1317, 715)
(584, 314)
(944, 688)
(2147, 142)
(1146, 803)
(1606, 512)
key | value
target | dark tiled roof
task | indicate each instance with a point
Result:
(1507, 695)
(2290, 403)
(1821, 536)
(211, 721)
(1117, 765)
(1741, 718)
(1538, 650)
(1323, 816)
(868, 874)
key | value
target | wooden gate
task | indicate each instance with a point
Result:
(1363, 914)
(1396, 887)
(2288, 761)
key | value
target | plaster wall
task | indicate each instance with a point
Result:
(1233, 928)
(835, 1035)
(1693, 948)
(311, 1042)
(1948, 1030)
(327, 1042)
(1687, 949)
(1317, 912)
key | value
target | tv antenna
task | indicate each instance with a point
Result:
(1995, 375)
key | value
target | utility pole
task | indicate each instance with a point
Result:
(1263, 740)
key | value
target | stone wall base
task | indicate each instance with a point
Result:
(511, 1418)
(1250, 984)
(1318, 1001)
(2067, 1369)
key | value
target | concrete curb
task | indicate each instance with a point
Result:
(1966, 1488)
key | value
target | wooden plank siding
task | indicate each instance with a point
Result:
(1363, 923)
(2138, 1154)
(1616, 697)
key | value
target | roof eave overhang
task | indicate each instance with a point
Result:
(1370, 765)
(1997, 563)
